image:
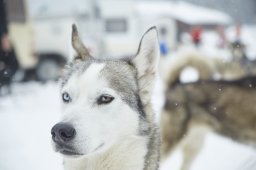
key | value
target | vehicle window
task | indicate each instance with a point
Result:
(117, 25)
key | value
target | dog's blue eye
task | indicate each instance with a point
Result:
(105, 99)
(66, 98)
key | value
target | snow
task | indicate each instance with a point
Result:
(48, 8)
(225, 154)
(209, 46)
(218, 153)
(248, 37)
(183, 11)
(189, 74)
(28, 114)
(26, 119)
(211, 40)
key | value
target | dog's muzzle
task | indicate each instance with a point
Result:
(62, 135)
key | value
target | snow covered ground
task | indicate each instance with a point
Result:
(29, 113)
(26, 120)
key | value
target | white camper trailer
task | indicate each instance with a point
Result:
(39, 44)
(42, 40)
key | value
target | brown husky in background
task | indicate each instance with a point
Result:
(191, 110)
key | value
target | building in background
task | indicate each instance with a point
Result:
(41, 29)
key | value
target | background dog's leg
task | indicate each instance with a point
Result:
(192, 145)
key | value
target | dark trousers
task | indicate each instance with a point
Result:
(8, 66)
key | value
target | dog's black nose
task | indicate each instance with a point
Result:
(63, 132)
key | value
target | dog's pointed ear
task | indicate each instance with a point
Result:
(82, 51)
(146, 62)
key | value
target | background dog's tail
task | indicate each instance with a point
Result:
(172, 124)
(172, 71)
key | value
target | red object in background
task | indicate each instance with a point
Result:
(238, 31)
(196, 35)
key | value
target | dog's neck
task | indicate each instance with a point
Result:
(130, 154)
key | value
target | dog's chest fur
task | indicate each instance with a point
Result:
(128, 155)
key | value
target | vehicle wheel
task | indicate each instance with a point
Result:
(48, 69)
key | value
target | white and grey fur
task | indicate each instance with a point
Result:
(121, 135)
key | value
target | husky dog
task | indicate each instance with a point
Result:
(108, 122)
(191, 110)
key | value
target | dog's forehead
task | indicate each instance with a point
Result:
(120, 75)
